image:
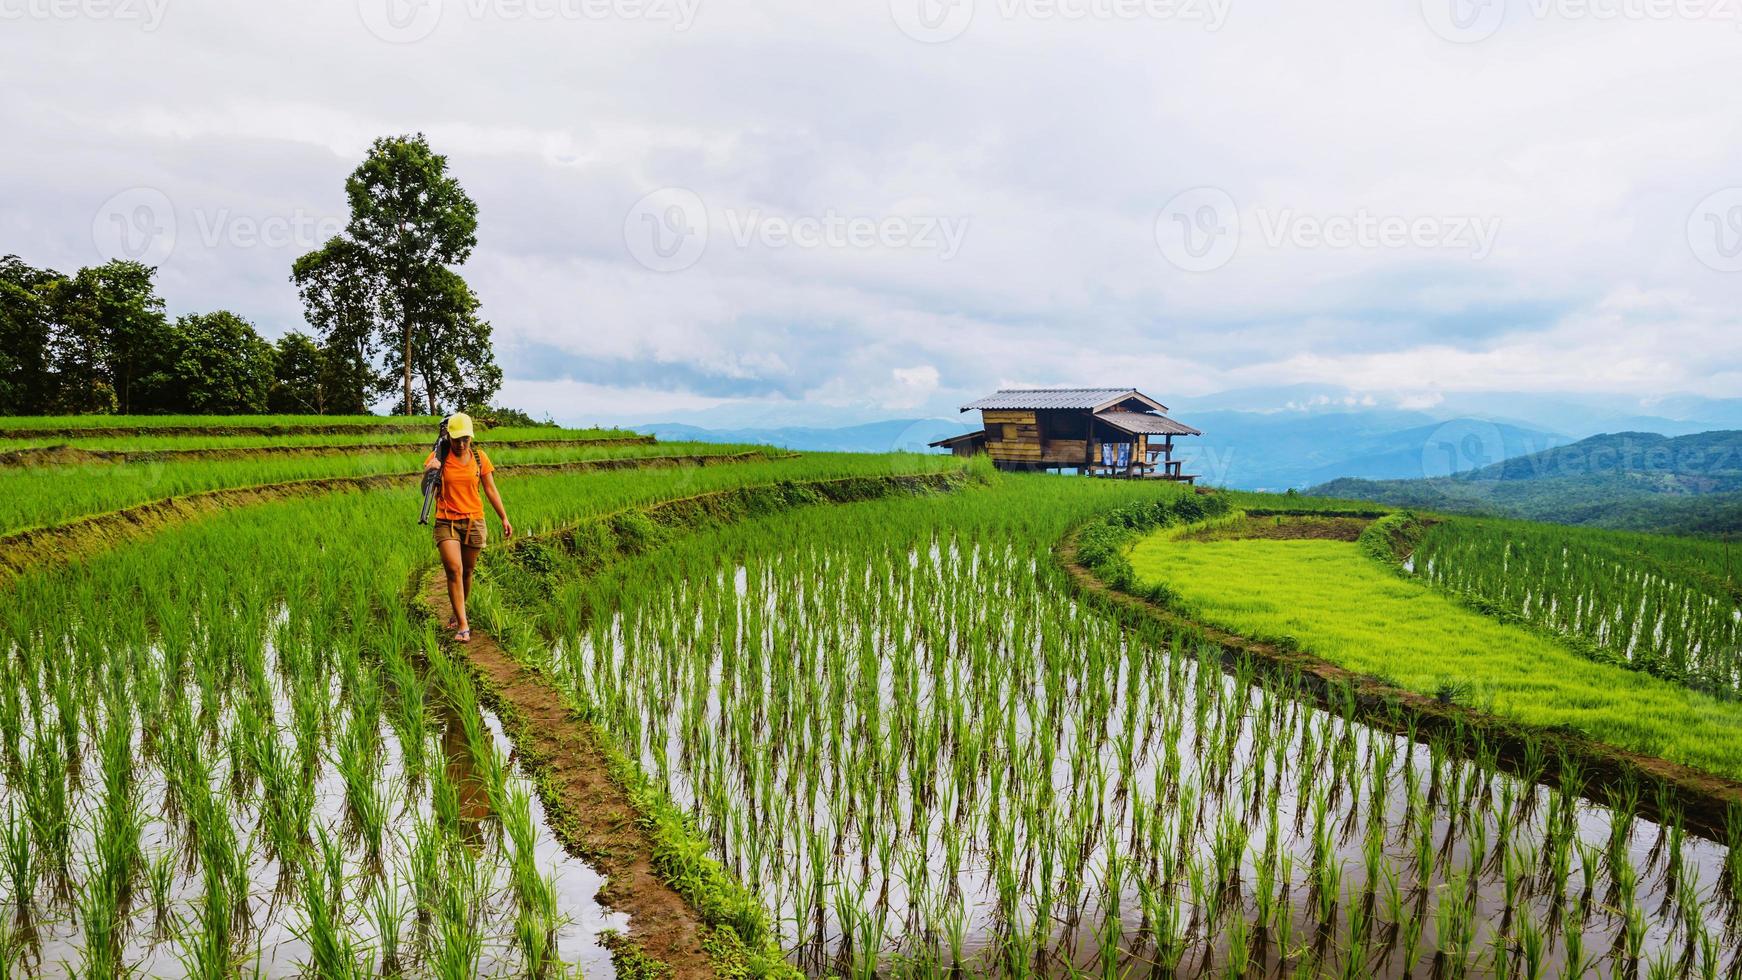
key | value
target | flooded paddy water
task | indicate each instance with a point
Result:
(265, 817)
(928, 758)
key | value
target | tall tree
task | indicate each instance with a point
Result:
(27, 379)
(221, 366)
(410, 221)
(112, 339)
(454, 358)
(340, 295)
(298, 375)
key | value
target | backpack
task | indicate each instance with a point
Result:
(432, 479)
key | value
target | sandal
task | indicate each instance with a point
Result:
(463, 636)
(453, 623)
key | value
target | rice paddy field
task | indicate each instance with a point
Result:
(874, 715)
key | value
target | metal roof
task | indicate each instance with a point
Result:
(979, 434)
(1092, 399)
(1145, 423)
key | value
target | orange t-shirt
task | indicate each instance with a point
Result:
(459, 497)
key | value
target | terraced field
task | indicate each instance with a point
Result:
(735, 712)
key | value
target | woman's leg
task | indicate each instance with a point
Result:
(452, 564)
(468, 561)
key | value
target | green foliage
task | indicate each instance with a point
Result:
(1392, 539)
(298, 376)
(498, 415)
(386, 287)
(338, 299)
(27, 376)
(217, 365)
(630, 961)
(111, 339)
(1101, 544)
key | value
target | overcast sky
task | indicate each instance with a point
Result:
(836, 210)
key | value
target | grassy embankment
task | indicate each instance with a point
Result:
(38, 496)
(1334, 601)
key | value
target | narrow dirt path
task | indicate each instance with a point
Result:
(61, 544)
(72, 455)
(588, 811)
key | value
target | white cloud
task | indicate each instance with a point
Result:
(1586, 143)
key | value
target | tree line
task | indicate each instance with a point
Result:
(389, 315)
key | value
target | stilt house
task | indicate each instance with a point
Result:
(1098, 431)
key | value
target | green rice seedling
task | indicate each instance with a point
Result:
(1711, 962)
(103, 922)
(22, 871)
(204, 935)
(387, 915)
(160, 879)
(1532, 950)
(1239, 953)
(1732, 878)
(333, 952)
(1575, 959)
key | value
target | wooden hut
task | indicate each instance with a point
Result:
(1099, 431)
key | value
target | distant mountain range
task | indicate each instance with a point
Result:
(894, 435)
(1330, 443)
(1248, 450)
(1639, 480)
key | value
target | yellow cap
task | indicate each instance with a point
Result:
(459, 425)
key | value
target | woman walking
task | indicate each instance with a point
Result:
(459, 515)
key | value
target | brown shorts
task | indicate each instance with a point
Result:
(468, 531)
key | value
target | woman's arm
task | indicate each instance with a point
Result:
(496, 502)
